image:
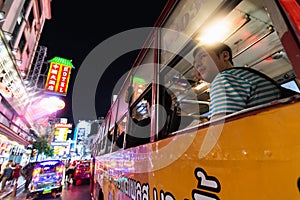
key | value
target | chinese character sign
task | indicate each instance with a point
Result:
(58, 75)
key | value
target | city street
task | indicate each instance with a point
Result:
(81, 192)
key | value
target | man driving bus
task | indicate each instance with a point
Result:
(232, 88)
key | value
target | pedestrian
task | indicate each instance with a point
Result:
(7, 173)
(70, 172)
(16, 174)
(3, 166)
(67, 165)
(13, 166)
(26, 172)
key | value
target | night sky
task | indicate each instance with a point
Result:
(77, 27)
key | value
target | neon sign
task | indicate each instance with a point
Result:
(47, 163)
(58, 75)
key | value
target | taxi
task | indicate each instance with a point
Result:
(82, 171)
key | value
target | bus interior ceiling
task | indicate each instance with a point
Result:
(254, 43)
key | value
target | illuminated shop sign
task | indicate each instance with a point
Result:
(61, 125)
(49, 163)
(80, 134)
(61, 131)
(61, 134)
(6, 63)
(58, 75)
(60, 143)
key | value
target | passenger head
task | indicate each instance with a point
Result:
(8, 163)
(210, 59)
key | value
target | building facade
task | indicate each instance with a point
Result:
(21, 23)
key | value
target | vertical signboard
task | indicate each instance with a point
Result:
(81, 134)
(58, 75)
(61, 132)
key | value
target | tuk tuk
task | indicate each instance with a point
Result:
(47, 178)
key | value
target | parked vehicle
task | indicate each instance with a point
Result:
(82, 171)
(47, 178)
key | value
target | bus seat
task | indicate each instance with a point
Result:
(139, 134)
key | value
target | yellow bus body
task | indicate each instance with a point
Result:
(253, 157)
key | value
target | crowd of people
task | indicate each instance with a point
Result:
(10, 173)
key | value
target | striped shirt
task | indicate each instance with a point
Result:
(235, 89)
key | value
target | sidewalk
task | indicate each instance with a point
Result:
(8, 189)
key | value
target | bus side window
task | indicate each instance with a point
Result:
(178, 121)
(167, 121)
(119, 135)
(139, 128)
(171, 119)
(110, 138)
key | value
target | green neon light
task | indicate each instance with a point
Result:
(62, 61)
(138, 80)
